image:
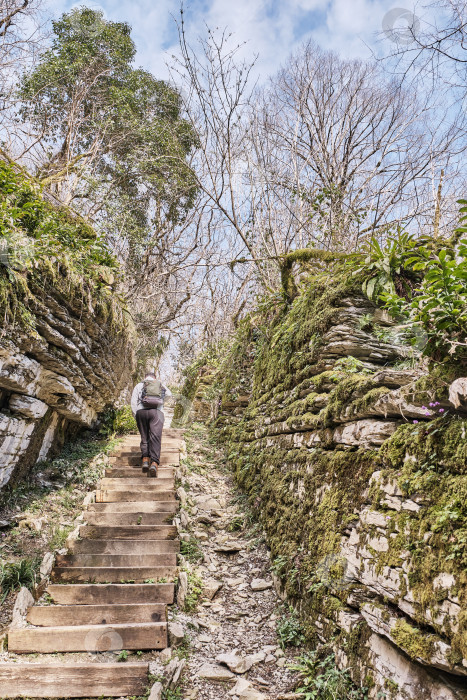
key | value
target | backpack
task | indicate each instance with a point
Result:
(152, 396)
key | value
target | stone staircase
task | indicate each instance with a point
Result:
(111, 592)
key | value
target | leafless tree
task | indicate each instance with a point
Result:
(354, 154)
(22, 35)
(433, 45)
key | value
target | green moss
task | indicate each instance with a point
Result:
(46, 249)
(417, 644)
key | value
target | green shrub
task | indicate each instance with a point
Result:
(195, 588)
(191, 550)
(289, 630)
(322, 680)
(118, 421)
(14, 575)
(124, 421)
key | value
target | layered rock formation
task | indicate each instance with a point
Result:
(356, 463)
(65, 348)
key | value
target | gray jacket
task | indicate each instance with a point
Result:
(137, 395)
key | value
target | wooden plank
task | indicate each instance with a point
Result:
(130, 532)
(108, 594)
(116, 560)
(100, 574)
(62, 615)
(170, 458)
(119, 519)
(124, 546)
(131, 472)
(113, 496)
(128, 450)
(52, 680)
(91, 638)
(152, 506)
(137, 483)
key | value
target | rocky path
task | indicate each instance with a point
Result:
(233, 646)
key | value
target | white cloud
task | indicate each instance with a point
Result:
(271, 28)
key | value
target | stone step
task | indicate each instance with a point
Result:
(143, 483)
(63, 615)
(125, 546)
(133, 495)
(152, 506)
(111, 594)
(84, 680)
(130, 532)
(116, 560)
(132, 471)
(101, 574)
(119, 519)
(90, 638)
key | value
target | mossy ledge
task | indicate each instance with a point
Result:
(359, 483)
(66, 340)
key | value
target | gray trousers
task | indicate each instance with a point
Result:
(150, 422)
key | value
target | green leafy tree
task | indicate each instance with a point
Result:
(110, 134)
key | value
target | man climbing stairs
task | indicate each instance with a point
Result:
(110, 592)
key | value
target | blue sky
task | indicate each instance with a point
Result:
(271, 28)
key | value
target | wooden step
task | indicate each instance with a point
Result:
(170, 506)
(132, 496)
(91, 638)
(101, 574)
(129, 450)
(131, 472)
(124, 546)
(47, 680)
(116, 560)
(62, 615)
(137, 483)
(111, 594)
(130, 532)
(135, 459)
(119, 519)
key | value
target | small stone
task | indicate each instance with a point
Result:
(176, 634)
(182, 589)
(215, 673)
(23, 602)
(156, 691)
(270, 658)
(182, 495)
(240, 686)
(165, 655)
(205, 638)
(251, 694)
(281, 662)
(89, 498)
(235, 581)
(178, 672)
(260, 584)
(228, 547)
(235, 663)
(184, 519)
(47, 564)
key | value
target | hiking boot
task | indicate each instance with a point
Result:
(153, 469)
(145, 464)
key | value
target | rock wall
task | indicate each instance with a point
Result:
(355, 462)
(65, 344)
